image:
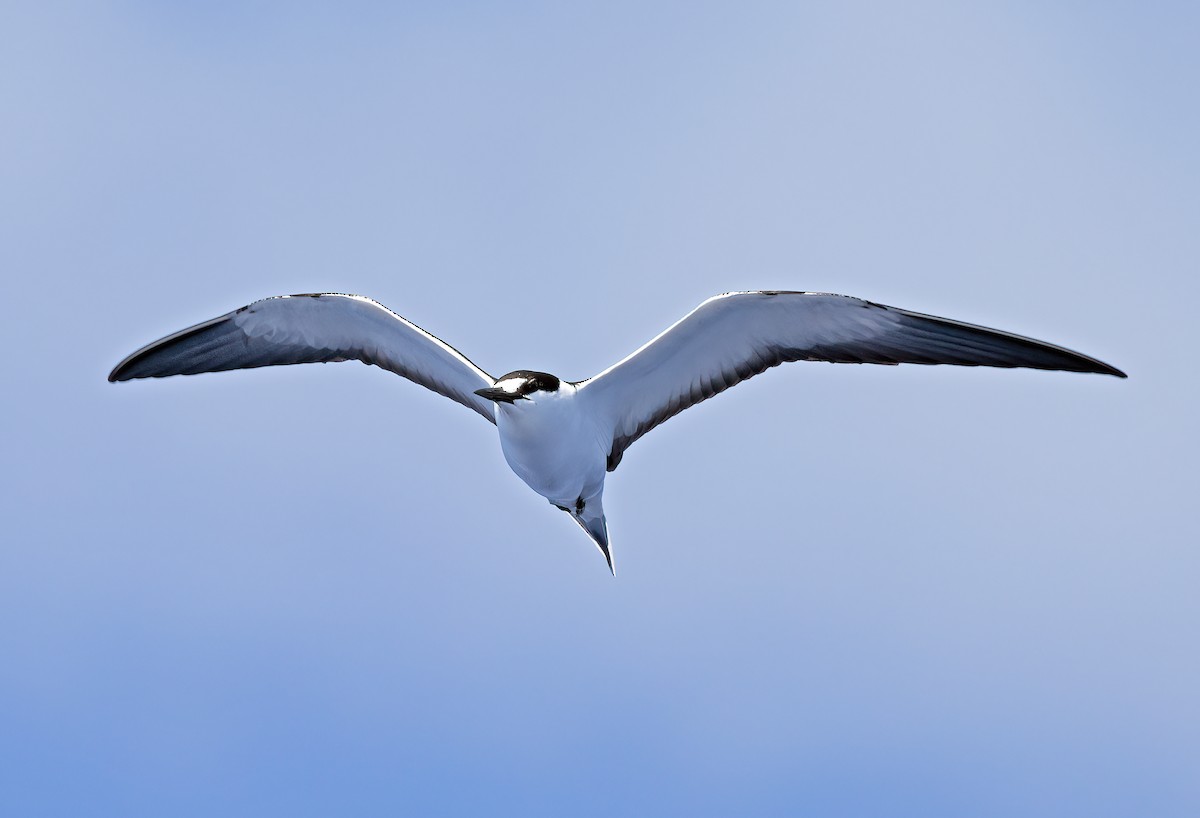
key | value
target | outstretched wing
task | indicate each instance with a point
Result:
(735, 336)
(314, 328)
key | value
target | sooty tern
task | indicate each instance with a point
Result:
(562, 437)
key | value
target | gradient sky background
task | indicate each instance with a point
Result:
(841, 590)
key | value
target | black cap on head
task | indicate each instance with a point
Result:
(528, 382)
(534, 381)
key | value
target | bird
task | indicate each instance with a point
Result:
(563, 437)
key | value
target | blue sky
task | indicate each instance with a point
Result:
(842, 590)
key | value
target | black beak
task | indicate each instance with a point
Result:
(499, 395)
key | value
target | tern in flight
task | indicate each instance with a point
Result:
(563, 437)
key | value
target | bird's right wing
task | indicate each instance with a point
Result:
(315, 328)
(735, 336)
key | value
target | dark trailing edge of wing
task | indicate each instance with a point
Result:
(706, 390)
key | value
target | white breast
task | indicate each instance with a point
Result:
(553, 447)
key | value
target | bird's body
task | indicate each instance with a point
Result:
(553, 446)
(560, 437)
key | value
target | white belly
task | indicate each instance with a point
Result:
(552, 449)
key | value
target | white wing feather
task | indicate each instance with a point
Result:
(321, 327)
(735, 336)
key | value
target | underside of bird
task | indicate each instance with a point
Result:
(561, 437)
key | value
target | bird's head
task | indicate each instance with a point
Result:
(523, 384)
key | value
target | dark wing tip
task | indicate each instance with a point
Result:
(127, 370)
(1070, 361)
(945, 340)
(172, 355)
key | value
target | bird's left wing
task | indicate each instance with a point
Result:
(313, 328)
(735, 336)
